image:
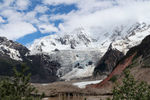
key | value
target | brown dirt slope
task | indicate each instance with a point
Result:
(117, 71)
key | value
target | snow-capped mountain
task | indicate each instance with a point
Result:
(12, 49)
(121, 37)
(78, 39)
(75, 50)
(13, 54)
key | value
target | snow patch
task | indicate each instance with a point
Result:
(12, 53)
(83, 84)
(45, 99)
(44, 84)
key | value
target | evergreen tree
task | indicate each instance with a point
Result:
(131, 89)
(18, 87)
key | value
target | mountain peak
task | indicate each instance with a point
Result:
(78, 39)
(12, 49)
(121, 37)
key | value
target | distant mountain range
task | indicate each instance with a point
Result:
(71, 55)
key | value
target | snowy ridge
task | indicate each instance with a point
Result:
(126, 37)
(11, 49)
(78, 40)
(132, 39)
(12, 53)
(121, 37)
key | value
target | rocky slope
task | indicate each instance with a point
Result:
(137, 60)
(108, 62)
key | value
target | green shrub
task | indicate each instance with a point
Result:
(114, 78)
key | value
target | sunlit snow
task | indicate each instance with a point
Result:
(83, 84)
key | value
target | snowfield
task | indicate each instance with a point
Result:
(83, 84)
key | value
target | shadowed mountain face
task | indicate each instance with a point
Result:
(108, 62)
(42, 67)
(137, 60)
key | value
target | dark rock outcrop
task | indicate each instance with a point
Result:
(43, 68)
(108, 62)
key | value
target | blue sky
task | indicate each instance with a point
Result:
(26, 20)
(59, 9)
(50, 9)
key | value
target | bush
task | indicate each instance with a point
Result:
(18, 87)
(131, 89)
(114, 78)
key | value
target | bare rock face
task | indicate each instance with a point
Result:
(108, 62)
(43, 69)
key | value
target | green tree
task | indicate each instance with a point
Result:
(18, 87)
(131, 89)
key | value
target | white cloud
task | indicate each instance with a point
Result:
(57, 2)
(47, 28)
(44, 18)
(94, 5)
(12, 15)
(22, 4)
(17, 25)
(7, 2)
(16, 30)
(98, 16)
(41, 8)
(30, 17)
